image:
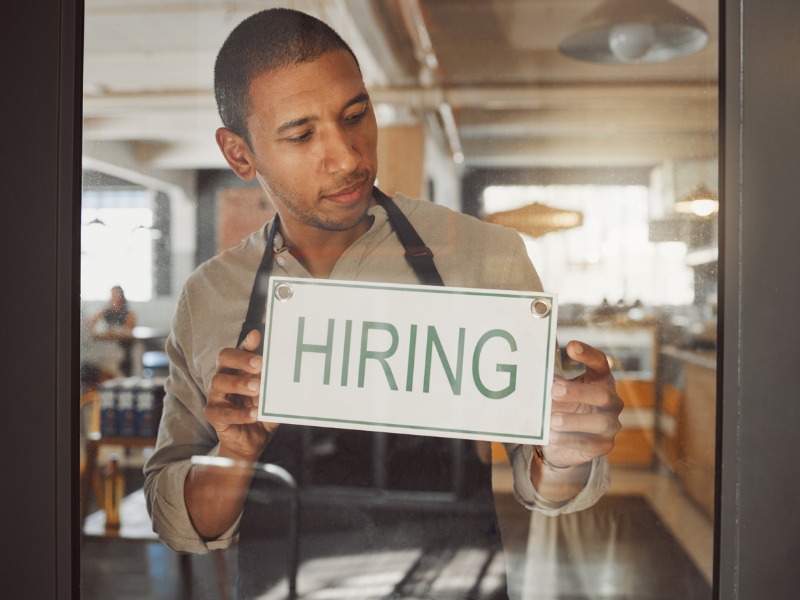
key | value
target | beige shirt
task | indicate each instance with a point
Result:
(468, 253)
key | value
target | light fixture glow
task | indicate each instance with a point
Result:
(699, 208)
(702, 202)
(635, 32)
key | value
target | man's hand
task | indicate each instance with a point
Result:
(215, 495)
(232, 407)
(585, 416)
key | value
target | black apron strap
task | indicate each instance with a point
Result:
(418, 255)
(258, 296)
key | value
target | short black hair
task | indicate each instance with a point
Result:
(267, 40)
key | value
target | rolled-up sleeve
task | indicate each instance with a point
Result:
(171, 520)
(521, 456)
(182, 434)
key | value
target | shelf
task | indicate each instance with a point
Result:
(702, 256)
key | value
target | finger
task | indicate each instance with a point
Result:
(598, 423)
(586, 445)
(233, 359)
(595, 360)
(221, 416)
(225, 383)
(251, 340)
(593, 394)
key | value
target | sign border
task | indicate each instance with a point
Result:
(425, 289)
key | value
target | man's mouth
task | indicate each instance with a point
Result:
(347, 195)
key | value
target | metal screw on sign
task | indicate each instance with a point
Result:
(541, 308)
(283, 291)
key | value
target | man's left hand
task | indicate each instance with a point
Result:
(585, 415)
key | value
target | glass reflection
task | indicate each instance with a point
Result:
(478, 111)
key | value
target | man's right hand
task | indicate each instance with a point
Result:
(215, 496)
(232, 408)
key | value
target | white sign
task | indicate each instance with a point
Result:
(426, 360)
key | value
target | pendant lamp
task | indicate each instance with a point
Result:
(635, 32)
(536, 220)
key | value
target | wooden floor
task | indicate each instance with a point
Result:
(630, 545)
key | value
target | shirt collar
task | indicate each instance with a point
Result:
(377, 212)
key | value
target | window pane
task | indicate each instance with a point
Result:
(605, 166)
(117, 244)
(609, 258)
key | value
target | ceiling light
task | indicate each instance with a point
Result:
(635, 32)
(701, 202)
(536, 220)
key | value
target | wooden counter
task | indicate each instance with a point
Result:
(692, 443)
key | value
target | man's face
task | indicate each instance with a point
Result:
(314, 143)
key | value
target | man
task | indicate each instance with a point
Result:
(298, 119)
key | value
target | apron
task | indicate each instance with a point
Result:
(384, 510)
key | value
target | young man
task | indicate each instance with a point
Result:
(298, 119)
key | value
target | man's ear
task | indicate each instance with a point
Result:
(237, 153)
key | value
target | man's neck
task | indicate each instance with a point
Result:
(319, 250)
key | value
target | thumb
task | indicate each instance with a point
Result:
(593, 359)
(251, 341)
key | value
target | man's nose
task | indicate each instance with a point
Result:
(341, 154)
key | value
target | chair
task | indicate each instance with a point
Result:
(90, 427)
(90, 399)
(283, 479)
(93, 439)
(89, 472)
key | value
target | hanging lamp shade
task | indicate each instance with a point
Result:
(537, 219)
(635, 32)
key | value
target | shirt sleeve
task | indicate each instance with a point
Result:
(521, 456)
(183, 433)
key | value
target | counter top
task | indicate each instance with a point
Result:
(704, 358)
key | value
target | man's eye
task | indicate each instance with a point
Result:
(303, 137)
(355, 118)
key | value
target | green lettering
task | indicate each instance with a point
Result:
(501, 368)
(412, 353)
(455, 380)
(326, 349)
(348, 329)
(376, 355)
